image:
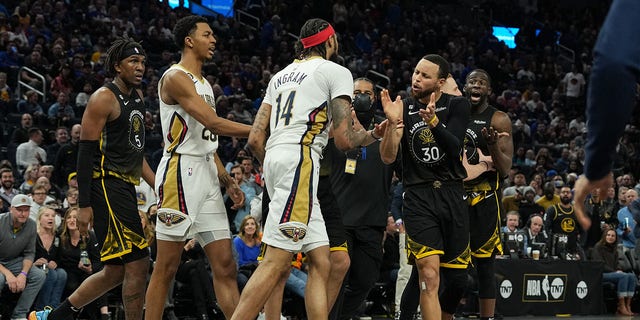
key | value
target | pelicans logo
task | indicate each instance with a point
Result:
(294, 232)
(170, 218)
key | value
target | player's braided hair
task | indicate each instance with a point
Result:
(114, 53)
(311, 27)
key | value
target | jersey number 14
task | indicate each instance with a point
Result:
(286, 109)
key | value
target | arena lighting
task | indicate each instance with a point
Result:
(506, 34)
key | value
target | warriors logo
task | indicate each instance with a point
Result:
(424, 147)
(136, 130)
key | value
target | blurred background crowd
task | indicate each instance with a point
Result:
(52, 55)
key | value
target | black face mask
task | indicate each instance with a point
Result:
(363, 107)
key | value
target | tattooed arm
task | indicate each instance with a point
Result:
(260, 132)
(345, 137)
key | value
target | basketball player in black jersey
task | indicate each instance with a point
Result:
(435, 208)
(489, 149)
(110, 162)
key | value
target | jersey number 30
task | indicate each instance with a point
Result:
(286, 109)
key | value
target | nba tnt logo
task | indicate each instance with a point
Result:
(506, 288)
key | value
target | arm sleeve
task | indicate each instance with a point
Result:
(609, 102)
(86, 150)
(451, 137)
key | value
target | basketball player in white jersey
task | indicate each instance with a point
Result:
(299, 104)
(190, 174)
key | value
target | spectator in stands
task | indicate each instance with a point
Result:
(17, 253)
(240, 112)
(39, 198)
(38, 64)
(249, 174)
(602, 217)
(30, 152)
(237, 172)
(606, 250)
(6, 95)
(47, 247)
(53, 193)
(550, 197)
(30, 176)
(573, 86)
(192, 271)
(31, 105)
(519, 180)
(72, 245)
(626, 222)
(67, 158)
(61, 112)
(527, 206)
(62, 136)
(7, 190)
(247, 248)
(21, 133)
(82, 98)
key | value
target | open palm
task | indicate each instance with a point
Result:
(392, 109)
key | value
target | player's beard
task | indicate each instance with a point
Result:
(421, 94)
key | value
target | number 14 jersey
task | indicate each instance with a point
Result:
(299, 96)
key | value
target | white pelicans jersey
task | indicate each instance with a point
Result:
(300, 96)
(182, 133)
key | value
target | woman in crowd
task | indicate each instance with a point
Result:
(247, 246)
(606, 250)
(79, 256)
(47, 250)
(30, 176)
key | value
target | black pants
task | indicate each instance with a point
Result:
(194, 274)
(365, 251)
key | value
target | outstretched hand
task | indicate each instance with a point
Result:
(582, 188)
(492, 135)
(392, 109)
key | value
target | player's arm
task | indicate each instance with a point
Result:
(451, 137)
(147, 173)
(345, 136)
(260, 132)
(226, 181)
(475, 170)
(394, 130)
(500, 142)
(176, 87)
(98, 111)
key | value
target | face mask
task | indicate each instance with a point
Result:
(363, 107)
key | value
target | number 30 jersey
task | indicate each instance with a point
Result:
(300, 97)
(182, 133)
(424, 159)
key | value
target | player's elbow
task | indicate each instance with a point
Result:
(386, 158)
(255, 143)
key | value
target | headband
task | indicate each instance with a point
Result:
(130, 50)
(318, 38)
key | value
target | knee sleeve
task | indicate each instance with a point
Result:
(486, 278)
(456, 282)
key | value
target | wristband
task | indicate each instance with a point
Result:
(432, 121)
(374, 136)
(24, 274)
